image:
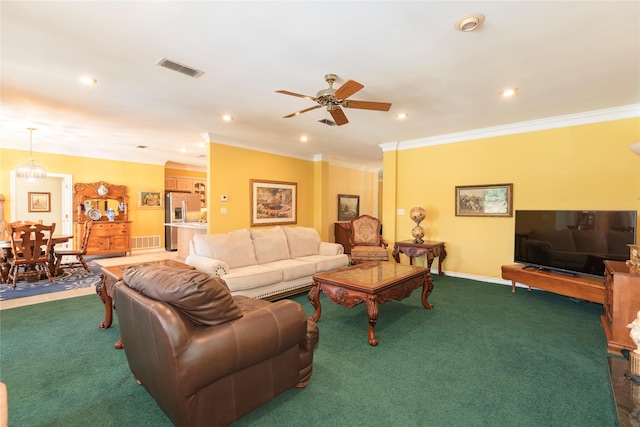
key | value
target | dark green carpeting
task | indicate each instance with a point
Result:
(482, 357)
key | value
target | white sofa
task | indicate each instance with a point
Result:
(265, 263)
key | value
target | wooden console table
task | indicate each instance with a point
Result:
(622, 303)
(586, 288)
(413, 250)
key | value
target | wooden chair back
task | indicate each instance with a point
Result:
(85, 236)
(31, 244)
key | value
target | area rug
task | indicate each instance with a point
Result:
(72, 278)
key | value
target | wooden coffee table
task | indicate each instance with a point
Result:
(373, 283)
(110, 275)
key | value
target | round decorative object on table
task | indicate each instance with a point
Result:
(94, 214)
(103, 190)
(417, 214)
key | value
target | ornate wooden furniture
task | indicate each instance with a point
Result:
(342, 234)
(621, 305)
(586, 288)
(373, 283)
(77, 253)
(95, 201)
(413, 250)
(366, 241)
(31, 247)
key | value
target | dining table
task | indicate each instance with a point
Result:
(6, 253)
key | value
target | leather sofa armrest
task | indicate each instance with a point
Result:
(328, 249)
(211, 266)
(221, 350)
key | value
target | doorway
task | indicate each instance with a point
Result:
(57, 187)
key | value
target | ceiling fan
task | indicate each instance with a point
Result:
(334, 99)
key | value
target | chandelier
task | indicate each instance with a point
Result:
(30, 169)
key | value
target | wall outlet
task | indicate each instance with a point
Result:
(223, 211)
(223, 198)
(400, 211)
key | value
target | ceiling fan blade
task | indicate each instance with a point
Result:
(286, 92)
(367, 105)
(297, 113)
(347, 89)
(339, 116)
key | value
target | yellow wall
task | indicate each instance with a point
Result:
(134, 175)
(580, 167)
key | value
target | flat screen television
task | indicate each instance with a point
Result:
(573, 242)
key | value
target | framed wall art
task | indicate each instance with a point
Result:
(273, 202)
(150, 199)
(348, 207)
(484, 200)
(39, 202)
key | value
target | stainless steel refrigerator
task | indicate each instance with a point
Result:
(179, 208)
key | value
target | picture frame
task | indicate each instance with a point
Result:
(484, 200)
(273, 202)
(39, 202)
(348, 207)
(150, 199)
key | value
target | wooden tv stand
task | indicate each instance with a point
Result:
(586, 288)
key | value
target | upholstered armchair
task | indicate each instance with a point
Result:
(366, 241)
(206, 357)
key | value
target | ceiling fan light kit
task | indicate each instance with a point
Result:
(336, 99)
(469, 22)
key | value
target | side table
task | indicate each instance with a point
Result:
(110, 275)
(413, 250)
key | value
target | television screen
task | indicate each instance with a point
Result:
(573, 242)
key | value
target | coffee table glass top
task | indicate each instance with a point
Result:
(372, 275)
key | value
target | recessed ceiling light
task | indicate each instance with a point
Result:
(402, 116)
(227, 118)
(201, 145)
(509, 92)
(183, 150)
(304, 138)
(469, 22)
(88, 80)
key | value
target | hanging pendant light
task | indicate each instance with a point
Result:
(30, 169)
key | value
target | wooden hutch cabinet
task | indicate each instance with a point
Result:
(95, 201)
(621, 305)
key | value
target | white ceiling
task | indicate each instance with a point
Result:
(565, 57)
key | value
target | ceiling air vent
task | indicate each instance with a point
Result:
(191, 72)
(327, 122)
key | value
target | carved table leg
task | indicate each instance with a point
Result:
(314, 299)
(101, 289)
(441, 257)
(372, 314)
(396, 253)
(427, 287)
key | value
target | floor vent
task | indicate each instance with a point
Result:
(191, 72)
(145, 242)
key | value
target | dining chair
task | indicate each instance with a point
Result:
(31, 246)
(77, 253)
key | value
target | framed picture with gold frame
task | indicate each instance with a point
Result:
(39, 202)
(484, 200)
(150, 199)
(273, 202)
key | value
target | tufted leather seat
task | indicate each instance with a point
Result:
(206, 357)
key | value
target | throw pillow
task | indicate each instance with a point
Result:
(302, 241)
(270, 245)
(204, 299)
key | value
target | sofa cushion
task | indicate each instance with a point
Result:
(560, 240)
(590, 241)
(251, 276)
(293, 269)
(235, 247)
(303, 241)
(269, 245)
(326, 262)
(204, 299)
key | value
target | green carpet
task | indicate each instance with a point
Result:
(482, 357)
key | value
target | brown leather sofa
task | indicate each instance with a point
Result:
(206, 357)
